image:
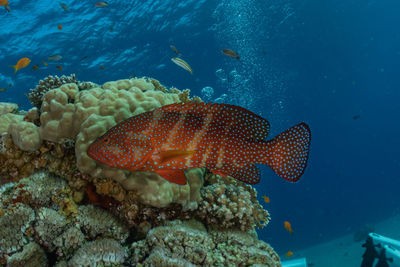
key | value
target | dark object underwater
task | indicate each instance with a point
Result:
(370, 253)
(383, 261)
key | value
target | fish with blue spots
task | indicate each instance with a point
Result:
(228, 140)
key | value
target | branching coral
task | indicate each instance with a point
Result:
(47, 84)
(230, 206)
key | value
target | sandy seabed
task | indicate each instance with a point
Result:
(344, 251)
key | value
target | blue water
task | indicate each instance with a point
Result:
(322, 62)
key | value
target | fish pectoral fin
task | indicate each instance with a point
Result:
(174, 155)
(222, 174)
(173, 175)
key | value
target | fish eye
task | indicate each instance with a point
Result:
(106, 140)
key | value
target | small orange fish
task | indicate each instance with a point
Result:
(3, 89)
(22, 63)
(59, 27)
(45, 63)
(10, 84)
(59, 67)
(289, 254)
(102, 67)
(266, 199)
(35, 67)
(230, 53)
(288, 226)
(5, 4)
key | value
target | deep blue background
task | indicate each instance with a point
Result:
(322, 62)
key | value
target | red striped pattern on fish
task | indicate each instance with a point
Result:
(228, 140)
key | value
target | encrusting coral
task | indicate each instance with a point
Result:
(60, 207)
(31, 256)
(189, 243)
(15, 221)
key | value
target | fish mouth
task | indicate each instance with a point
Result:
(91, 154)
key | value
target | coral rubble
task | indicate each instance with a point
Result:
(58, 207)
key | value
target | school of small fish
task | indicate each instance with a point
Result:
(23, 62)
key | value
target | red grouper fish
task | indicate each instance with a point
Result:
(226, 139)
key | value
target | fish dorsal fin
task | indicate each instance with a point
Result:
(232, 119)
(169, 155)
(176, 176)
(248, 174)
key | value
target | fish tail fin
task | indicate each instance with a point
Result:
(287, 153)
(15, 67)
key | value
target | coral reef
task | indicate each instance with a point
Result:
(32, 255)
(71, 115)
(100, 252)
(189, 243)
(231, 206)
(34, 210)
(13, 224)
(50, 82)
(16, 164)
(97, 222)
(58, 207)
(8, 108)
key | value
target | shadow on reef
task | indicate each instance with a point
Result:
(59, 207)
